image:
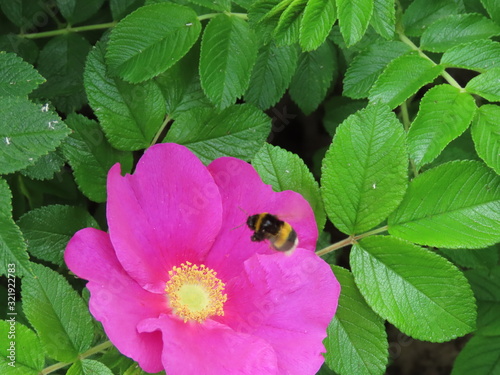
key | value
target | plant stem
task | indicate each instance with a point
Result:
(68, 30)
(406, 124)
(445, 74)
(243, 16)
(88, 353)
(452, 81)
(212, 15)
(371, 233)
(158, 133)
(349, 241)
(207, 16)
(405, 115)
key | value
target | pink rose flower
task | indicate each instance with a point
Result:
(178, 285)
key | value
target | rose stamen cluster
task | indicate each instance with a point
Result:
(195, 293)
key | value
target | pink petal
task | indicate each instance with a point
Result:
(289, 302)
(117, 301)
(242, 189)
(166, 213)
(210, 348)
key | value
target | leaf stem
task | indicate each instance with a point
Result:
(212, 15)
(445, 74)
(25, 191)
(405, 115)
(406, 123)
(68, 30)
(349, 241)
(88, 353)
(162, 128)
(243, 16)
(207, 16)
(452, 81)
(371, 233)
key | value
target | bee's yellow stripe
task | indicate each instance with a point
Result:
(283, 235)
(258, 223)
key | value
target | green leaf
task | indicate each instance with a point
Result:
(228, 53)
(27, 49)
(61, 62)
(263, 16)
(245, 4)
(181, 87)
(134, 369)
(76, 11)
(368, 65)
(479, 55)
(288, 28)
(23, 139)
(486, 85)
(473, 258)
(356, 341)
(220, 5)
(456, 29)
(89, 367)
(287, 171)
(120, 8)
(23, 13)
(493, 8)
(314, 74)
(354, 17)
(17, 78)
(48, 230)
(461, 148)
(339, 108)
(150, 40)
(239, 131)
(486, 135)
(271, 74)
(422, 13)
(421, 293)
(57, 313)
(364, 172)
(317, 22)
(12, 248)
(45, 166)
(91, 156)
(130, 115)
(384, 18)
(480, 356)
(348, 53)
(266, 10)
(116, 361)
(402, 78)
(486, 287)
(455, 205)
(445, 113)
(5, 197)
(12, 245)
(62, 188)
(28, 356)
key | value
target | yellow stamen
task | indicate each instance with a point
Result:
(195, 293)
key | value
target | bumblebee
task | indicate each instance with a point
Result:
(280, 234)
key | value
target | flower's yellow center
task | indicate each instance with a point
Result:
(195, 293)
